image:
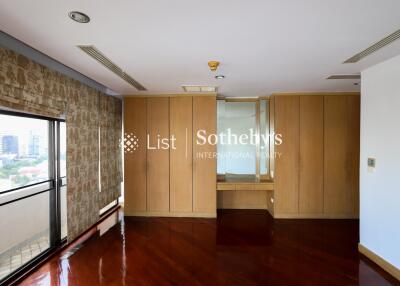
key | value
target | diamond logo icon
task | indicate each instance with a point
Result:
(131, 143)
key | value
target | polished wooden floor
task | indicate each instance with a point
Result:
(239, 248)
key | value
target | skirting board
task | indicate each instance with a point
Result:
(385, 265)
(315, 216)
(172, 214)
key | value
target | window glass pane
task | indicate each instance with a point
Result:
(221, 128)
(63, 174)
(237, 120)
(63, 149)
(27, 228)
(63, 209)
(24, 151)
(264, 137)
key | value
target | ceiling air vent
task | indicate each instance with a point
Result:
(101, 58)
(382, 43)
(199, 88)
(344, 76)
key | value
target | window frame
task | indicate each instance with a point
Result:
(54, 184)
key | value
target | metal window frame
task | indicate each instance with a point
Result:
(56, 182)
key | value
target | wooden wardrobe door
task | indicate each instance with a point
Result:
(158, 158)
(135, 157)
(204, 162)
(181, 157)
(341, 154)
(287, 155)
(311, 192)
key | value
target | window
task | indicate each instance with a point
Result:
(32, 191)
(24, 151)
(244, 139)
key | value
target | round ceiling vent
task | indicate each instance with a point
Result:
(79, 17)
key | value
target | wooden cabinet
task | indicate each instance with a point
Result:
(135, 158)
(341, 152)
(157, 155)
(287, 154)
(180, 163)
(204, 156)
(317, 164)
(311, 192)
(169, 180)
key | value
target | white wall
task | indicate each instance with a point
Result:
(380, 138)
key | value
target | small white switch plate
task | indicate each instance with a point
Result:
(371, 164)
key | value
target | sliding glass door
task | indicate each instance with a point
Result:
(32, 195)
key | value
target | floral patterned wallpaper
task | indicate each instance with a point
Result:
(31, 87)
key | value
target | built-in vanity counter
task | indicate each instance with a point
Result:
(243, 183)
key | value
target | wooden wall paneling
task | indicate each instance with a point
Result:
(287, 155)
(341, 153)
(135, 161)
(204, 162)
(270, 203)
(242, 200)
(181, 157)
(311, 195)
(157, 159)
(353, 162)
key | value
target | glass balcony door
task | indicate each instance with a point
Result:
(30, 189)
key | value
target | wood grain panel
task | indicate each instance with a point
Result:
(204, 156)
(181, 156)
(135, 162)
(287, 156)
(245, 187)
(311, 194)
(157, 159)
(341, 154)
(242, 200)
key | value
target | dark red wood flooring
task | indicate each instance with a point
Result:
(241, 247)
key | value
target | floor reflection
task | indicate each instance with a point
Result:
(238, 248)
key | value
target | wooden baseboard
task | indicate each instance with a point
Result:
(172, 214)
(315, 216)
(385, 265)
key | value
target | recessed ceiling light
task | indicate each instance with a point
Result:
(79, 17)
(220, 76)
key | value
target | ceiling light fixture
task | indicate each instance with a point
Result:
(213, 65)
(79, 17)
(219, 76)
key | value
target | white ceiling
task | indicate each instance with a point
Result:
(264, 46)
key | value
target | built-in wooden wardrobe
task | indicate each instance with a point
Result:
(175, 181)
(317, 165)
